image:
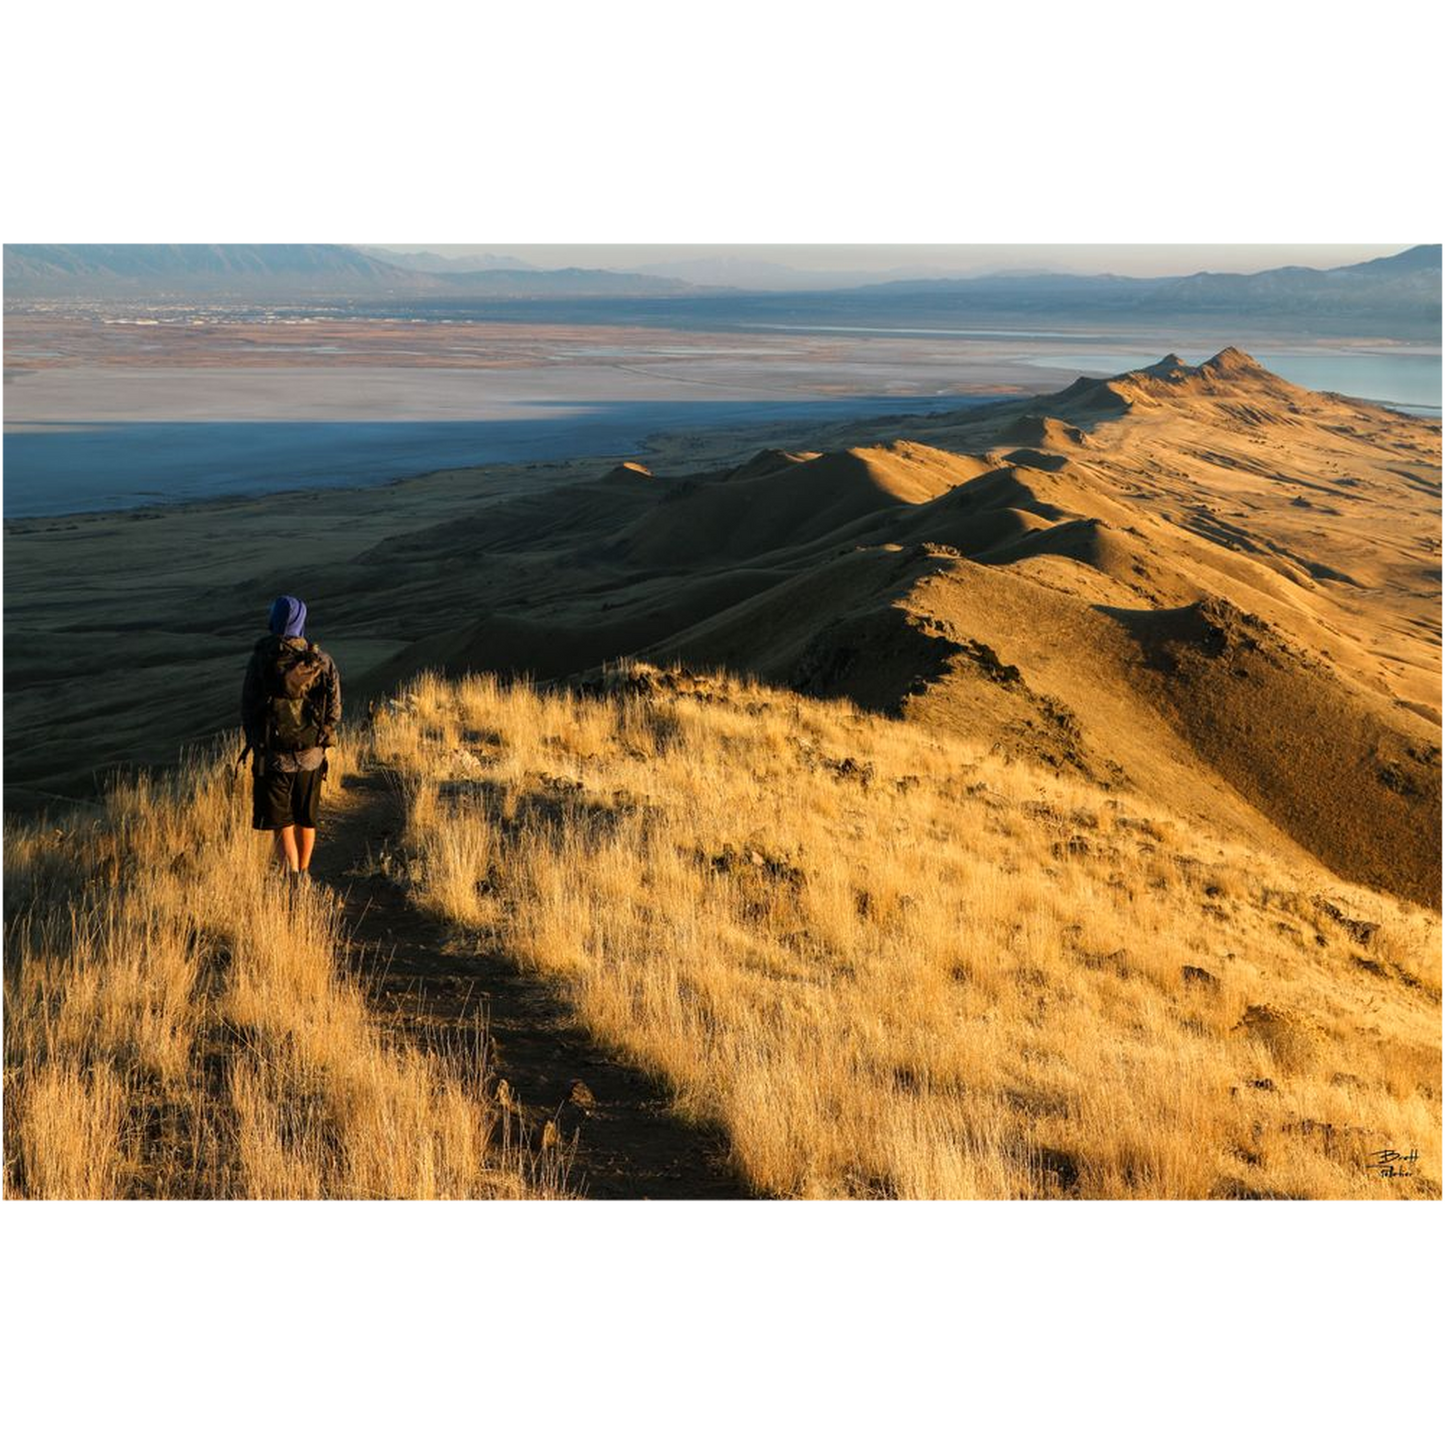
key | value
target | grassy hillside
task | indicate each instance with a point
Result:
(888, 962)
(879, 960)
(179, 1024)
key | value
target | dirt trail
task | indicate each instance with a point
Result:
(629, 1144)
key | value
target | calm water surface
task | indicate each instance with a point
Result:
(51, 470)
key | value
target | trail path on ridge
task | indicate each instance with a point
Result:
(630, 1145)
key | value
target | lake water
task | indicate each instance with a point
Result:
(69, 467)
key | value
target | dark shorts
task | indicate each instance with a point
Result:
(281, 799)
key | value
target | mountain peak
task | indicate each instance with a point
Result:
(1232, 361)
(1166, 365)
(1416, 258)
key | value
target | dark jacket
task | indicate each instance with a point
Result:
(325, 700)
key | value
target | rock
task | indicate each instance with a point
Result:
(1260, 1016)
(1198, 977)
(580, 1095)
(1359, 929)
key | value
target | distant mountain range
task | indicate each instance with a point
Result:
(1395, 295)
(288, 273)
(748, 273)
(1405, 284)
(101, 270)
(445, 265)
(1400, 284)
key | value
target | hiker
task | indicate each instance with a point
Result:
(290, 707)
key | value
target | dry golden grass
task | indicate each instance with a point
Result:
(884, 961)
(888, 963)
(178, 1025)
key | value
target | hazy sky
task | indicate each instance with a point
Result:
(1131, 260)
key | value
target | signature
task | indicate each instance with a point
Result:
(1391, 1163)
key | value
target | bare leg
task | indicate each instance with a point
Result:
(286, 848)
(305, 842)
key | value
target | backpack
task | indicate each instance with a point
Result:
(289, 676)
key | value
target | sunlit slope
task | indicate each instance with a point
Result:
(1113, 649)
(888, 961)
